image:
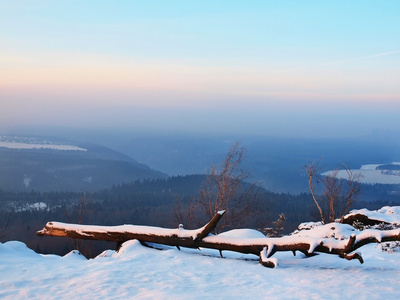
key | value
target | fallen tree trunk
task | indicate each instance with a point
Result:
(120, 234)
(201, 238)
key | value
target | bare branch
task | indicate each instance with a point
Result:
(338, 194)
(312, 171)
(79, 213)
(224, 189)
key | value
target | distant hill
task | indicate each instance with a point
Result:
(275, 162)
(53, 165)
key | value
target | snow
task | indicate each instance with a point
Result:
(144, 273)
(242, 233)
(32, 207)
(138, 229)
(369, 174)
(17, 145)
(388, 214)
(138, 272)
(369, 167)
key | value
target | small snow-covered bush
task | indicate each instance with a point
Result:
(390, 247)
(381, 226)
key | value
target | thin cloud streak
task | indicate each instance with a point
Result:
(361, 58)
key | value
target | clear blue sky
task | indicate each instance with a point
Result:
(263, 67)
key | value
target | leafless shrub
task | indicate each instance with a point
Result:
(77, 215)
(337, 196)
(225, 189)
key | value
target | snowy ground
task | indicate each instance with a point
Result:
(13, 145)
(143, 273)
(17, 142)
(369, 174)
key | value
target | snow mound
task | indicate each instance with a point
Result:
(15, 248)
(332, 230)
(106, 253)
(243, 234)
(130, 249)
(74, 255)
(388, 214)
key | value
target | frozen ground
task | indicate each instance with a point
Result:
(138, 272)
(143, 273)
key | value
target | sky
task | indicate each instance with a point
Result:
(263, 67)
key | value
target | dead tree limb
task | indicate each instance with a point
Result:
(311, 171)
(201, 238)
(121, 234)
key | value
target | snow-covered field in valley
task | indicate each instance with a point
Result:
(138, 272)
(17, 142)
(14, 145)
(370, 174)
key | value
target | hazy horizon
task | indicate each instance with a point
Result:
(305, 69)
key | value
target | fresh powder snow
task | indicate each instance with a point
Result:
(138, 272)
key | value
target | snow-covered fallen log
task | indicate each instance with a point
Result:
(385, 215)
(333, 238)
(120, 234)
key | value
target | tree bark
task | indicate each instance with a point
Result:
(121, 234)
(362, 219)
(201, 238)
